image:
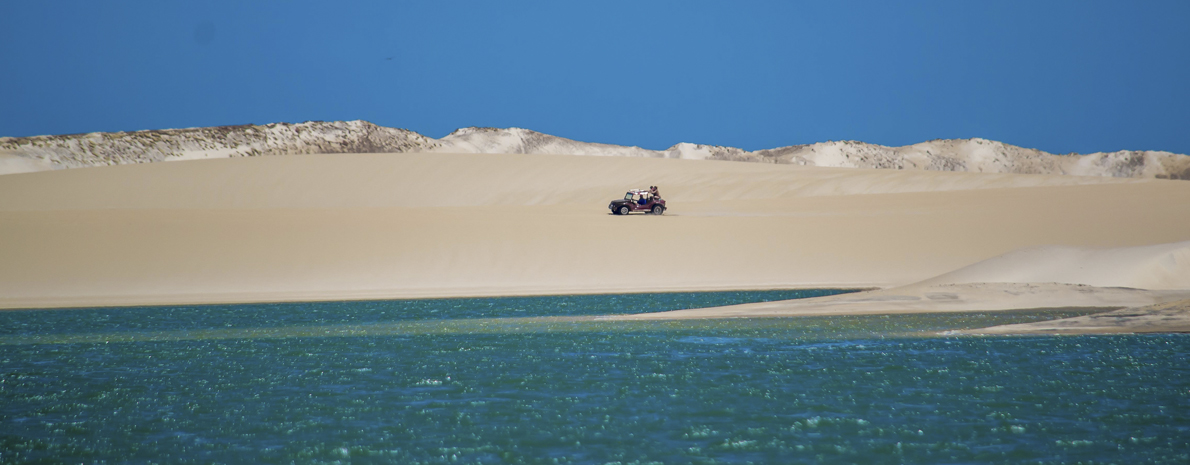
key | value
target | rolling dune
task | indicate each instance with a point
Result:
(1030, 278)
(354, 226)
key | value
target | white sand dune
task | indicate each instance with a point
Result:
(1034, 277)
(1160, 266)
(311, 137)
(1159, 318)
(349, 226)
(13, 163)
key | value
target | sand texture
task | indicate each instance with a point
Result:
(1160, 318)
(352, 226)
(1029, 278)
(943, 298)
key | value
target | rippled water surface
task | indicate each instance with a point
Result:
(497, 381)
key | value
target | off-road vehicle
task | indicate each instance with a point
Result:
(638, 200)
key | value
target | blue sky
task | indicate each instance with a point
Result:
(1080, 76)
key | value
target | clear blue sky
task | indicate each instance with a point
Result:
(1077, 76)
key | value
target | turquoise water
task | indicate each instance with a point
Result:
(501, 381)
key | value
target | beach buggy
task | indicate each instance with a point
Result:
(638, 200)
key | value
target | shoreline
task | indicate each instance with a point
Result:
(206, 301)
(938, 298)
(1163, 318)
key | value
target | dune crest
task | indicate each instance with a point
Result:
(317, 137)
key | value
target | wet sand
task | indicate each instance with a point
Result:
(1171, 317)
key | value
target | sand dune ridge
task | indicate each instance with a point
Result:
(24, 154)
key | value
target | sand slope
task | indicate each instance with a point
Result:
(491, 180)
(1160, 318)
(1034, 277)
(429, 225)
(1160, 266)
(942, 298)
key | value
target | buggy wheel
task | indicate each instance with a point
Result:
(658, 209)
(623, 210)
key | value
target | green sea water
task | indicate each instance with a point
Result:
(537, 380)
